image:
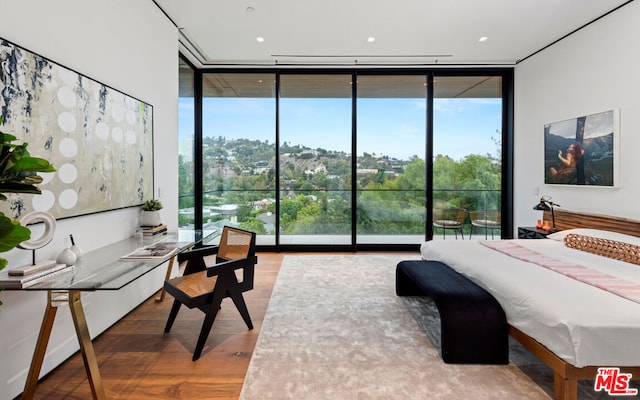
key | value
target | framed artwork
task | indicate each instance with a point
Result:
(99, 139)
(582, 150)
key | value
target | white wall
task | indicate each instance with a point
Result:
(594, 70)
(131, 46)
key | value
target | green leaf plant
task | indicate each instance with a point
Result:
(18, 174)
(152, 205)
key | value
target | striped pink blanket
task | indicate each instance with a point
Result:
(628, 290)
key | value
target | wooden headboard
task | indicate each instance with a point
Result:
(571, 219)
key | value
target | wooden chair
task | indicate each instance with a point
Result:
(489, 220)
(205, 286)
(450, 219)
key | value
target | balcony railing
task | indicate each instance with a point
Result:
(322, 216)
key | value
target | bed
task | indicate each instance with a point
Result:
(572, 326)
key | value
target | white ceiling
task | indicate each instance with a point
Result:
(406, 32)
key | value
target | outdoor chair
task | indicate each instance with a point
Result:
(489, 220)
(204, 287)
(450, 219)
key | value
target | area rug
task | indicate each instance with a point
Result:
(335, 329)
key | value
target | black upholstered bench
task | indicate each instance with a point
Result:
(473, 327)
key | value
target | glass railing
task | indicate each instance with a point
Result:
(384, 216)
(324, 217)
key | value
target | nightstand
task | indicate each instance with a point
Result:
(531, 232)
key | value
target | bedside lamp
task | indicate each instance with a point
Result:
(547, 205)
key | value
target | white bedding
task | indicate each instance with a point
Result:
(580, 323)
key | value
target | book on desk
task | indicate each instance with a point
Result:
(148, 230)
(23, 277)
(156, 251)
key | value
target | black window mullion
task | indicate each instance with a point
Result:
(198, 184)
(354, 158)
(429, 160)
(277, 171)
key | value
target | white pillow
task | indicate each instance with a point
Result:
(596, 233)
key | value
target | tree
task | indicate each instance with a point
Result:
(413, 177)
(389, 201)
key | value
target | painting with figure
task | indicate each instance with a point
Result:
(99, 139)
(581, 151)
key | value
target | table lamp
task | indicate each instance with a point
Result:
(546, 204)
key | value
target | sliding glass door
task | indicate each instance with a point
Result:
(238, 152)
(467, 150)
(315, 125)
(391, 146)
(347, 159)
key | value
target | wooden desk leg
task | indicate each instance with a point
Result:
(41, 349)
(166, 278)
(86, 347)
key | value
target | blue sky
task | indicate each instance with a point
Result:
(393, 127)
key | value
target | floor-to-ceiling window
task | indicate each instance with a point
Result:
(467, 151)
(391, 146)
(350, 159)
(315, 129)
(186, 148)
(238, 152)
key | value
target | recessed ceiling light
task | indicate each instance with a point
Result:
(250, 9)
(371, 39)
(483, 39)
(260, 39)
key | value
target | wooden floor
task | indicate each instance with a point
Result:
(139, 361)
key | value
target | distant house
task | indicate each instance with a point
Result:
(262, 204)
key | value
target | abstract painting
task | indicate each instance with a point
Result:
(99, 139)
(582, 150)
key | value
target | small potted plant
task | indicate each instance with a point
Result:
(150, 214)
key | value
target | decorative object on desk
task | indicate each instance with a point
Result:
(150, 214)
(75, 248)
(546, 204)
(67, 257)
(34, 244)
(539, 224)
(138, 234)
(47, 234)
(546, 226)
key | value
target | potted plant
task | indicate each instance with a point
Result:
(18, 174)
(150, 214)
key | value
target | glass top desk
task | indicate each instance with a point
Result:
(100, 269)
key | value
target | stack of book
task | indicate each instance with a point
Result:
(29, 275)
(153, 230)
